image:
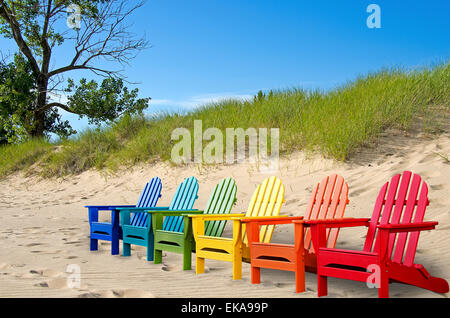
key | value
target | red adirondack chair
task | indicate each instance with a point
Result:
(328, 201)
(384, 250)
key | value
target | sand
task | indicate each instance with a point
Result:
(44, 229)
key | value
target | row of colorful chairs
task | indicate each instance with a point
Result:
(387, 256)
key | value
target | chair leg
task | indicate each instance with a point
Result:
(150, 249)
(157, 256)
(94, 244)
(383, 291)
(322, 288)
(300, 278)
(126, 249)
(237, 264)
(256, 275)
(300, 270)
(115, 244)
(187, 256)
(150, 254)
(199, 265)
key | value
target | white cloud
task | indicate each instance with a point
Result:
(160, 102)
(196, 101)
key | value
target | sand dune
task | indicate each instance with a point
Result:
(44, 226)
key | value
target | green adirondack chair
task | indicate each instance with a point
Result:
(182, 241)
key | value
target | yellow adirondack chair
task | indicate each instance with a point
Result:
(265, 202)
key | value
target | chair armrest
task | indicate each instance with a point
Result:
(267, 220)
(344, 222)
(94, 209)
(158, 217)
(318, 228)
(409, 227)
(128, 211)
(141, 209)
(386, 231)
(174, 212)
(125, 213)
(214, 217)
(108, 207)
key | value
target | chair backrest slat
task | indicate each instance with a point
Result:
(329, 200)
(220, 202)
(183, 199)
(149, 198)
(399, 206)
(326, 202)
(418, 217)
(407, 217)
(371, 231)
(398, 209)
(337, 208)
(267, 200)
(388, 205)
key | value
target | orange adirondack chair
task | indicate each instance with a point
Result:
(387, 236)
(328, 201)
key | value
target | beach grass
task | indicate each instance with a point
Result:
(335, 123)
(23, 156)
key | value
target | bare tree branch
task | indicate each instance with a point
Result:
(9, 17)
(105, 36)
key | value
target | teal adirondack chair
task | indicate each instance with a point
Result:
(180, 239)
(112, 231)
(142, 234)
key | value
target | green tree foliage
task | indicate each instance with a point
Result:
(28, 83)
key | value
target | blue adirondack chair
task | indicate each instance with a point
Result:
(142, 234)
(112, 231)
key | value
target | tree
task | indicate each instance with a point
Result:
(17, 93)
(97, 32)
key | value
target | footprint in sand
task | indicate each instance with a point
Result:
(74, 242)
(34, 273)
(288, 202)
(58, 283)
(70, 229)
(213, 269)
(171, 268)
(33, 244)
(309, 189)
(429, 174)
(132, 293)
(141, 256)
(428, 158)
(90, 295)
(47, 273)
(126, 293)
(437, 187)
(58, 280)
(357, 192)
(4, 266)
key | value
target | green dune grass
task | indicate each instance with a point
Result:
(335, 123)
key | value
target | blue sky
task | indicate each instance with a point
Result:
(204, 50)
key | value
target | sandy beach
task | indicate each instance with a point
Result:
(44, 227)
